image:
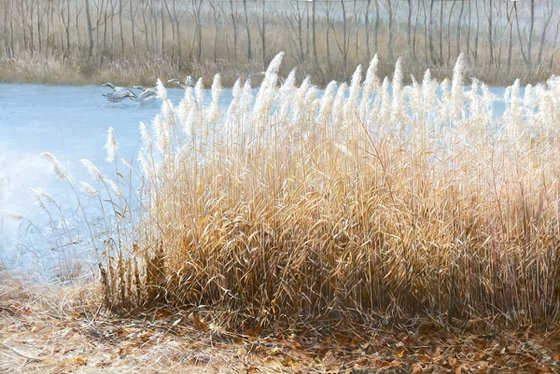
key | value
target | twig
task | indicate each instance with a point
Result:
(29, 358)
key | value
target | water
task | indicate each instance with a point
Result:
(70, 122)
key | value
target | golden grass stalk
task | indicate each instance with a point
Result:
(299, 208)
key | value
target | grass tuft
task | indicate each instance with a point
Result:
(389, 202)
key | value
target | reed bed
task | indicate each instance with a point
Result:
(368, 202)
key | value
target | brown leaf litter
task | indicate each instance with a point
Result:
(62, 329)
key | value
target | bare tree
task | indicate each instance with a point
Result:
(548, 11)
(89, 30)
(409, 26)
(376, 29)
(490, 41)
(233, 14)
(294, 21)
(314, 33)
(262, 32)
(213, 6)
(197, 17)
(458, 26)
(390, 16)
(366, 29)
(248, 31)
(449, 33)
(510, 39)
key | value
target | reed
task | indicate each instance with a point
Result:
(390, 201)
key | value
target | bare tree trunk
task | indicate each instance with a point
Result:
(409, 26)
(197, 7)
(327, 14)
(132, 24)
(78, 12)
(476, 35)
(415, 28)
(121, 33)
(262, 33)
(215, 18)
(469, 30)
(376, 29)
(344, 36)
(366, 28)
(31, 23)
(510, 39)
(490, 34)
(89, 30)
(12, 44)
(426, 33)
(554, 44)
(5, 29)
(162, 20)
(356, 31)
(234, 23)
(430, 36)
(530, 42)
(458, 26)
(248, 31)
(390, 42)
(449, 33)
(173, 29)
(440, 57)
(314, 34)
(550, 11)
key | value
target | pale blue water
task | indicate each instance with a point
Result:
(71, 122)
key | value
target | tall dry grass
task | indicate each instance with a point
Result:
(372, 200)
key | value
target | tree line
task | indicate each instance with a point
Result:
(325, 37)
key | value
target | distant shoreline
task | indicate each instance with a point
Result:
(130, 72)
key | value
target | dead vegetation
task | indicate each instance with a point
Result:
(60, 329)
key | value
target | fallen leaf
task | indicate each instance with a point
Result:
(452, 361)
(544, 369)
(416, 368)
(198, 323)
(79, 360)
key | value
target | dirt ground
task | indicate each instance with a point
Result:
(61, 329)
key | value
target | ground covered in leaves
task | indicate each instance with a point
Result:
(61, 329)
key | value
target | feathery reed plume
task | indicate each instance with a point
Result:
(111, 145)
(160, 90)
(371, 84)
(396, 108)
(93, 171)
(289, 210)
(327, 101)
(233, 108)
(457, 87)
(89, 190)
(355, 88)
(338, 105)
(55, 164)
(214, 110)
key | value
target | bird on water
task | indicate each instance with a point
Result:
(147, 96)
(188, 82)
(118, 94)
